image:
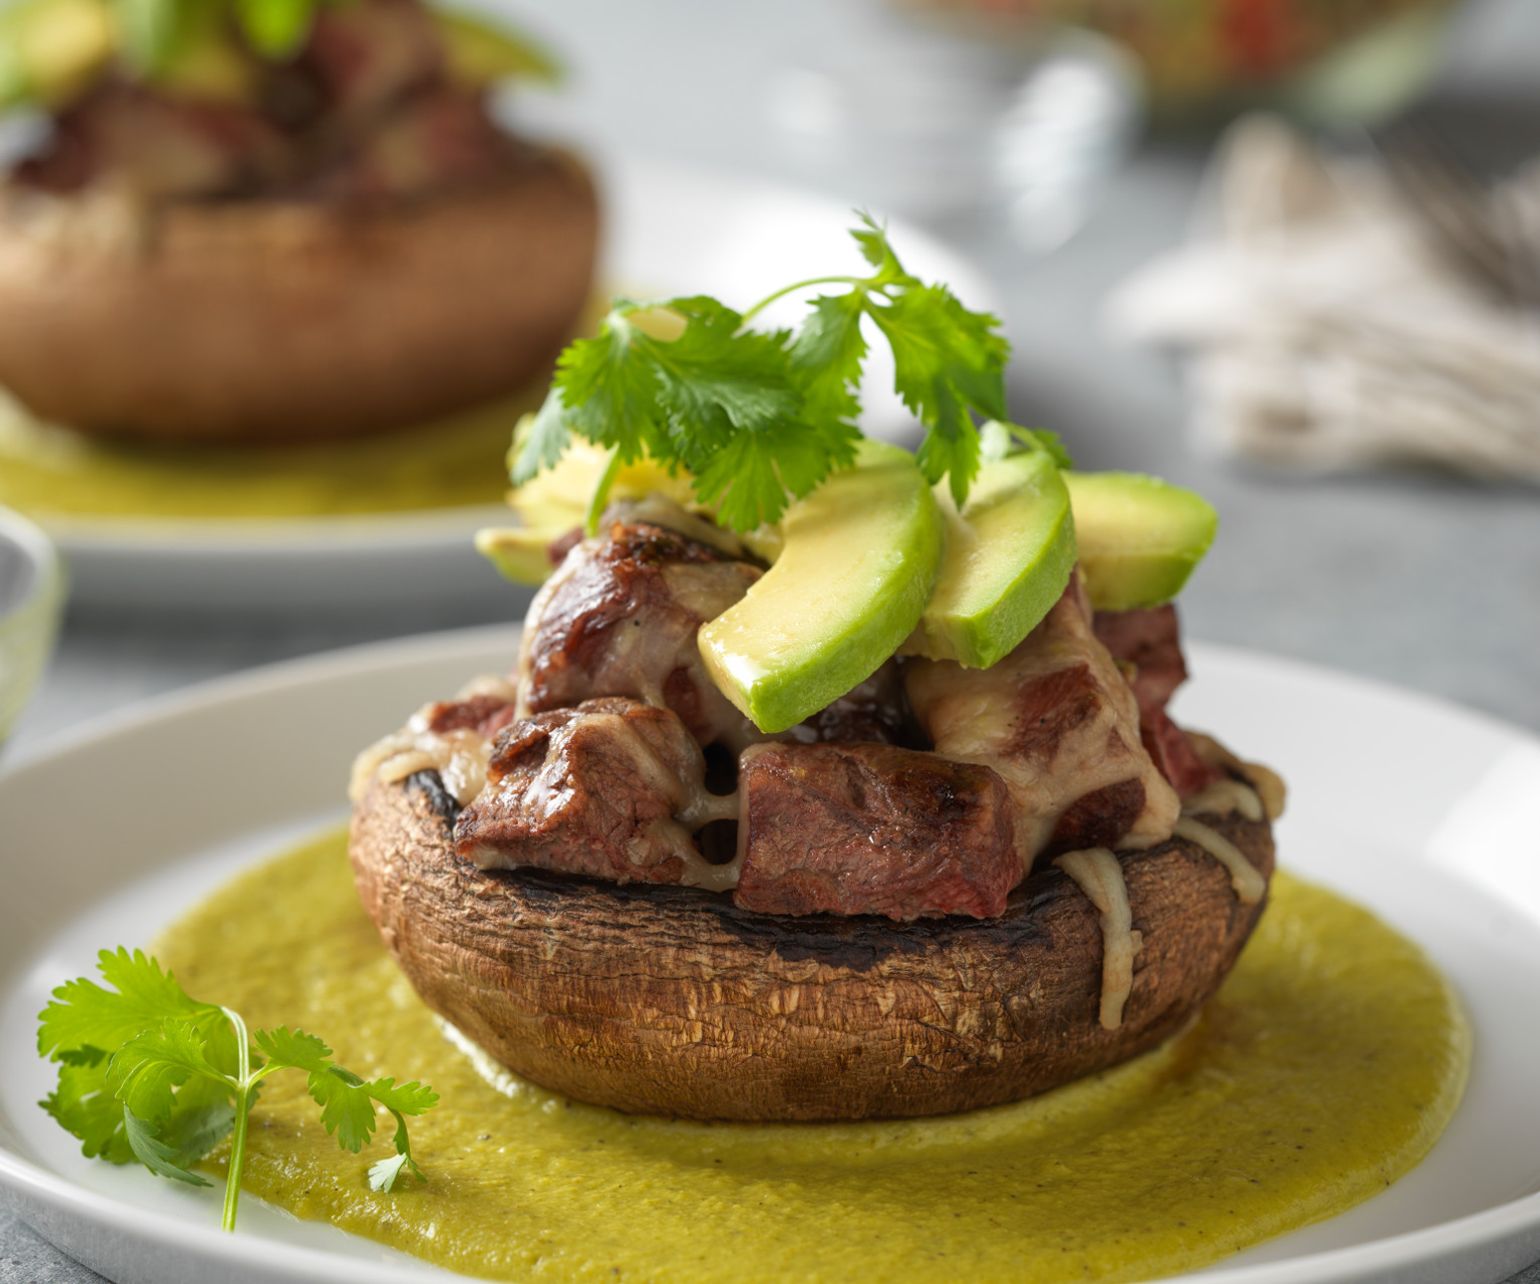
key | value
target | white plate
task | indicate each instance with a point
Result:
(668, 230)
(1418, 809)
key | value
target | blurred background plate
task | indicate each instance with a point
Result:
(669, 230)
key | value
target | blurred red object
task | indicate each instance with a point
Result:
(1198, 53)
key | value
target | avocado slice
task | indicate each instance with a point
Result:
(1009, 554)
(519, 553)
(1139, 537)
(205, 65)
(859, 562)
(49, 49)
(552, 503)
(481, 52)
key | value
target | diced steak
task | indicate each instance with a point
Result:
(368, 55)
(154, 145)
(1147, 646)
(366, 110)
(1149, 641)
(619, 618)
(441, 139)
(1058, 722)
(612, 789)
(872, 829)
(484, 714)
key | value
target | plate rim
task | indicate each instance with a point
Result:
(39, 1190)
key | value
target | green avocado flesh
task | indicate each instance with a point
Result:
(517, 552)
(50, 48)
(1139, 537)
(480, 52)
(859, 562)
(1325, 1067)
(1009, 554)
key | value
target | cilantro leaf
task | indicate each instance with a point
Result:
(287, 1047)
(275, 28)
(83, 1014)
(411, 1098)
(384, 1172)
(827, 355)
(607, 387)
(347, 1110)
(876, 249)
(947, 361)
(83, 1105)
(160, 1158)
(748, 478)
(715, 379)
(348, 1102)
(541, 439)
(758, 418)
(203, 1116)
(146, 1072)
(997, 440)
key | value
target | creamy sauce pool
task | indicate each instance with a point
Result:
(1326, 1068)
(52, 472)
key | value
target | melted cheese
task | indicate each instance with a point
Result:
(1267, 782)
(1097, 873)
(1225, 796)
(692, 805)
(978, 715)
(460, 757)
(1244, 877)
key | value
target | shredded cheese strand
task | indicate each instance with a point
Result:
(1248, 883)
(1223, 796)
(1098, 874)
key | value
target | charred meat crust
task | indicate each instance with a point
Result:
(671, 1001)
(620, 619)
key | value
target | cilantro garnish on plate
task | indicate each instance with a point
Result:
(147, 1073)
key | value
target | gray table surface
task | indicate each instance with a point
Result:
(1426, 582)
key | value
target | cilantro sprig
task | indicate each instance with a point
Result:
(757, 418)
(148, 1073)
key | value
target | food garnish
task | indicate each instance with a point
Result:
(858, 565)
(955, 552)
(1139, 537)
(759, 417)
(49, 47)
(146, 1072)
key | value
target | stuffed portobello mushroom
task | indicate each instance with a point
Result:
(839, 792)
(639, 905)
(238, 227)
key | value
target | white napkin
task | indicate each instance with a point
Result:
(1327, 332)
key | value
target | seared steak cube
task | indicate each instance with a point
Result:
(619, 618)
(612, 788)
(1148, 648)
(872, 829)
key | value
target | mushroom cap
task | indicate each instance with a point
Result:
(271, 320)
(672, 1001)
